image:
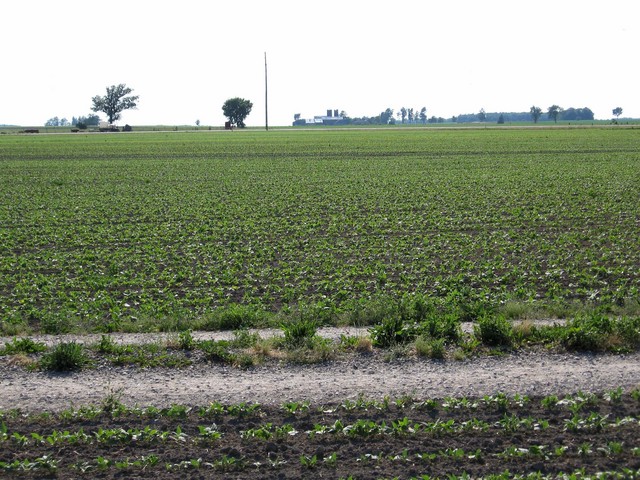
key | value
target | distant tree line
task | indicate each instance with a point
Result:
(80, 122)
(419, 116)
(389, 117)
(56, 122)
(554, 113)
(89, 120)
(576, 114)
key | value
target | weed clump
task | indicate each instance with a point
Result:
(236, 317)
(392, 331)
(217, 351)
(65, 357)
(430, 347)
(299, 333)
(597, 333)
(494, 331)
(22, 345)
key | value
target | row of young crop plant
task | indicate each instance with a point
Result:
(232, 464)
(583, 427)
(120, 241)
(547, 453)
(360, 428)
(578, 474)
(225, 464)
(499, 402)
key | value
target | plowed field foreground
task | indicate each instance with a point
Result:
(363, 439)
(362, 417)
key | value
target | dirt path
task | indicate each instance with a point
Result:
(368, 375)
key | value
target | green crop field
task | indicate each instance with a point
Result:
(101, 232)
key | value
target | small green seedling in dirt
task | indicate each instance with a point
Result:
(212, 410)
(309, 462)
(176, 411)
(585, 448)
(264, 432)
(500, 401)
(210, 433)
(331, 460)
(612, 448)
(296, 407)
(614, 396)
(550, 402)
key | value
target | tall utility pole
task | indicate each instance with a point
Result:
(266, 97)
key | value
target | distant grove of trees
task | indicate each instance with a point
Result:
(554, 113)
(389, 117)
(419, 116)
(56, 122)
(79, 122)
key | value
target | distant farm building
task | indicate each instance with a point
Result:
(332, 117)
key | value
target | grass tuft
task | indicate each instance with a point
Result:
(494, 331)
(22, 346)
(65, 357)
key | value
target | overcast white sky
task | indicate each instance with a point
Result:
(184, 58)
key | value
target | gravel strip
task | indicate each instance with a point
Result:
(361, 374)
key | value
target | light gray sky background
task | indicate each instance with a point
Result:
(184, 58)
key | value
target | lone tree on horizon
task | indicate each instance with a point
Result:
(617, 112)
(114, 102)
(535, 113)
(553, 112)
(236, 110)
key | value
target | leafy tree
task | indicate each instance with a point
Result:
(90, 119)
(423, 115)
(482, 115)
(236, 110)
(57, 122)
(553, 112)
(617, 112)
(501, 119)
(403, 114)
(577, 114)
(115, 102)
(535, 113)
(386, 116)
